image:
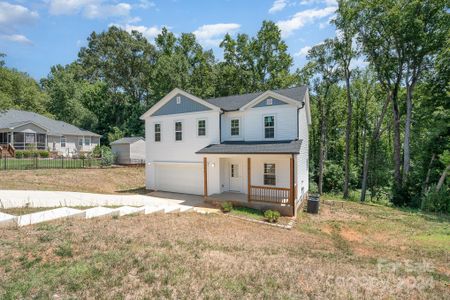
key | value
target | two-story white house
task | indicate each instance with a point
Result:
(250, 149)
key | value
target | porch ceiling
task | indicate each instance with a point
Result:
(254, 147)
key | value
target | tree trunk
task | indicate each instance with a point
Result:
(427, 178)
(375, 136)
(397, 144)
(322, 141)
(406, 143)
(347, 136)
(442, 179)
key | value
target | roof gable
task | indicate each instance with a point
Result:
(269, 101)
(169, 97)
(179, 104)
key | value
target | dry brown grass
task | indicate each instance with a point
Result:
(108, 180)
(333, 255)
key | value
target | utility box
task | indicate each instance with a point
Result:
(313, 204)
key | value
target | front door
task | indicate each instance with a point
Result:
(235, 177)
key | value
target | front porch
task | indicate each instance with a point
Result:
(257, 181)
(24, 140)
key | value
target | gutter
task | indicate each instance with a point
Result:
(222, 112)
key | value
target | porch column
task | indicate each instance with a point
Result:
(11, 141)
(205, 177)
(291, 192)
(249, 179)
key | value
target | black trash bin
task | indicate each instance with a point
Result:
(313, 204)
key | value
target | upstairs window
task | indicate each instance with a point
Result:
(269, 174)
(201, 127)
(269, 127)
(234, 127)
(178, 131)
(158, 132)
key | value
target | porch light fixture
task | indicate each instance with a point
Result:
(212, 165)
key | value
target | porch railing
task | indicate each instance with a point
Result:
(270, 194)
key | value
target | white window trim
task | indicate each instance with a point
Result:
(82, 141)
(175, 131)
(160, 132)
(269, 101)
(206, 127)
(240, 127)
(264, 173)
(61, 143)
(87, 138)
(274, 126)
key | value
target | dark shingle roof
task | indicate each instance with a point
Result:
(254, 147)
(237, 101)
(14, 118)
(127, 140)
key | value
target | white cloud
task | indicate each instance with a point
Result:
(304, 17)
(304, 51)
(278, 5)
(12, 15)
(91, 9)
(17, 38)
(146, 4)
(326, 2)
(212, 34)
(148, 32)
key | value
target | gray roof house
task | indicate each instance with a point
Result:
(129, 150)
(24, 129)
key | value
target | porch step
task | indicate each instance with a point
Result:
(129, 210)
(101, 211)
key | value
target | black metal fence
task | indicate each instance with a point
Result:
(8, 163)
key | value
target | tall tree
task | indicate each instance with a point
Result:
(322, 62)
(345, 52)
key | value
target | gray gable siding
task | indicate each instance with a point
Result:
(263, 103)
(187, 105)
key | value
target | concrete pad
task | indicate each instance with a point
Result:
(185, 208)
(101, 212)
(171, 209)
(49, 215)
(153, 209)
(7, 220)
(128, 210)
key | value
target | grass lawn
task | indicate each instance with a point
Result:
(349, 250)
(30, 163)
(108, 181)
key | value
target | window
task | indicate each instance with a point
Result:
(63, 142)
(87, 140)
(80, 141)
(235, 127)
(201, 127)
(234, 171)
(269, 127)
(178, 99)
(178, 131)
(269, 174)
(157, 132)
(269, 101)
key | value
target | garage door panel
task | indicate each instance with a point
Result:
(181, 178)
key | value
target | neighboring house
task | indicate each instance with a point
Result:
(129, 150)
(25, 130)
(250, 148)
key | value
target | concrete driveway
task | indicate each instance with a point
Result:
(24, 198)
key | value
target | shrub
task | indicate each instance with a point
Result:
(333, 177)
(227, 206)
(44, 154)
(19, 154)
(107, 157)
(436, 201)
(271, 216)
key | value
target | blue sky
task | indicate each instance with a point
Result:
(38, 34)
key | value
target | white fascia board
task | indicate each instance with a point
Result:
(270, 94)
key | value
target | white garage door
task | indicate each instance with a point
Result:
(180, 178)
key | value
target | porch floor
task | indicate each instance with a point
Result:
(229, 196)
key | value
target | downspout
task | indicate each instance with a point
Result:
(293, 192)
(220, 126)
(298, 129)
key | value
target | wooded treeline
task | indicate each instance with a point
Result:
(379, 92)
